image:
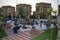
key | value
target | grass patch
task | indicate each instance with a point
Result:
(55, 32)
(47, 35)
(2, 32)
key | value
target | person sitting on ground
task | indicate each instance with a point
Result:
(16, 22)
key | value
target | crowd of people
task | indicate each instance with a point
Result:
(15, 25)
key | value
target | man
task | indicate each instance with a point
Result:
(15, 29)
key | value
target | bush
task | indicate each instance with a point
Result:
(42, 16)
(2, 32)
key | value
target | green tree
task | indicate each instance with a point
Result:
(49, 10)
(42, 16)
(50, 18)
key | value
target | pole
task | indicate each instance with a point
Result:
(16, 4)
(15, 9)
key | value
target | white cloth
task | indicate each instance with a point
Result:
(12, 23)
(44, 26)
(28, 29)
(52, 26)
(20, 25)
(29, 26)
(38, 27)
(9, 21)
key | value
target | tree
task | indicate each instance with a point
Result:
(49, 10)
(42, 16)
(55, 12)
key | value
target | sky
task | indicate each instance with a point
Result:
(31, 2)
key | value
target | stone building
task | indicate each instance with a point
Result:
(1, 11)
(8, 11)
(35, 14)
(24, 10)
(41, 8)
(58, 9)
(1, 16)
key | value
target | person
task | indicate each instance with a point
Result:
(41, 24)
(36, 23)
(16, 22)
(15, 29)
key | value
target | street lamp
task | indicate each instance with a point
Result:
(16, 3)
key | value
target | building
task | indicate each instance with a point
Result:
(1, 16)
(58, 9)
(0, 11)
(8, 11)
(24, 10)
(41, 8)
(35, 14)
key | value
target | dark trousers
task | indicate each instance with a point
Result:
(15, 31)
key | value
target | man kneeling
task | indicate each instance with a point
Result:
(15, 29)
